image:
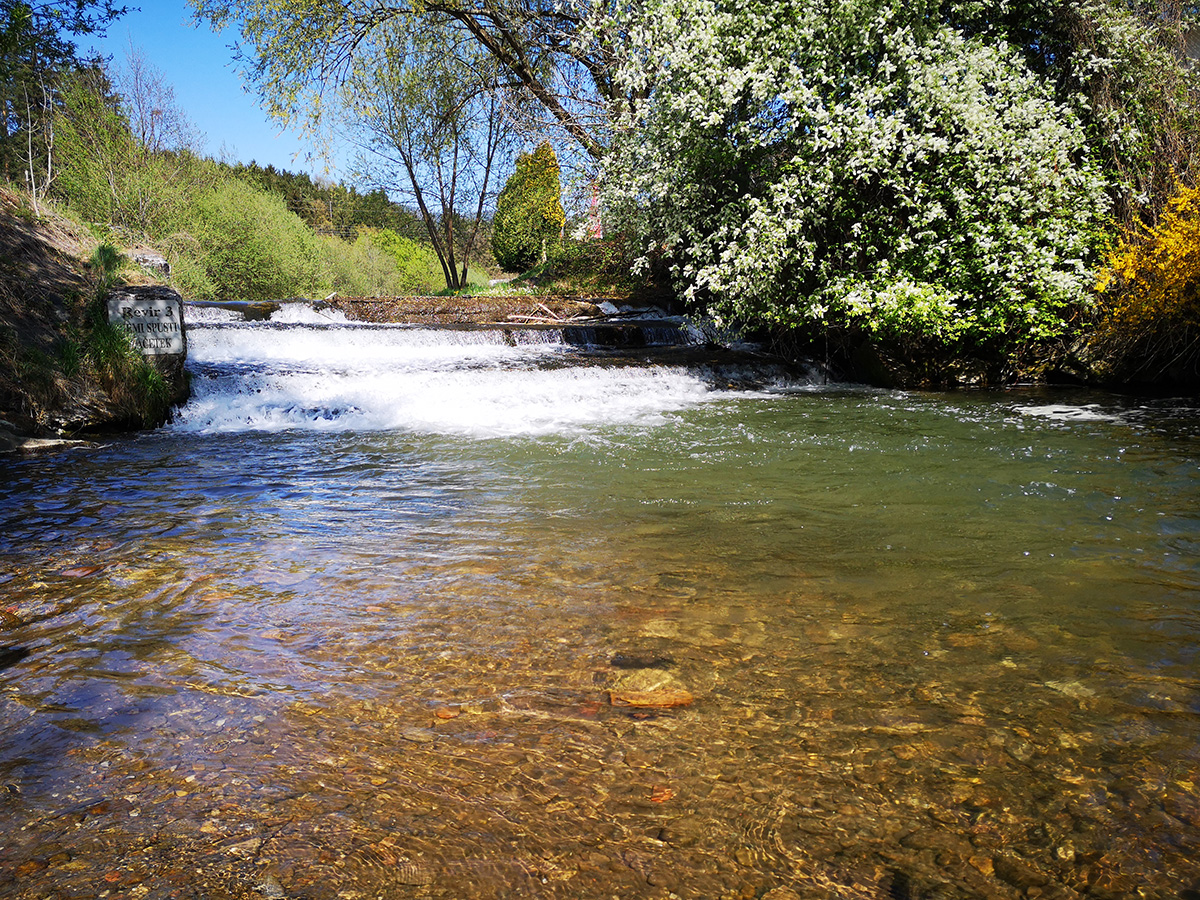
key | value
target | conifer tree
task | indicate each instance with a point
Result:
(529, 212)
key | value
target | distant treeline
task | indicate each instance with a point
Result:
(333, 208)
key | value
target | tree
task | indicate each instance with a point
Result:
(56, 18)
(98, 148)
(105, 169)
(855, 163)
(431, 121)
(148, 99)
(32, 55)
(1141, 95)
(529, 214)
(1123, 68)
(35, 53)
(560, 53)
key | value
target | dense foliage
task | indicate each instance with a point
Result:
(108, 175)
(529, 214)
(1129, 71)
(235, 242)
(412, 260)
(860, 167)
(935, 175)
(253, 247)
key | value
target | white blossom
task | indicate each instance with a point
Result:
(802, 160)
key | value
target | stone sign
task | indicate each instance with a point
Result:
(155, 316)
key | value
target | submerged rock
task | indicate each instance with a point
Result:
(418, 735)
(649, 689)
(645, 680)
(640, 661)
(1017, 872)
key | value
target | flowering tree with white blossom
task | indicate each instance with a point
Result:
(854, 163)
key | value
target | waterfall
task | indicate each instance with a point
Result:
(313, 369)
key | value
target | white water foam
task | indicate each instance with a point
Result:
(1061, 412)
(304, 314)
(209, 315)
(295, 313)
(265, 377)
(357, 347)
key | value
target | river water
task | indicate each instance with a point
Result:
(361, 621)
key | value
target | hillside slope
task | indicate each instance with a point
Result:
(63, 371)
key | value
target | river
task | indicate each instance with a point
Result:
(362, 622)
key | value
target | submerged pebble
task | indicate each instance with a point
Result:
(270, 888)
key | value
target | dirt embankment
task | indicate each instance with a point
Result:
(53, 379)
(43, 280)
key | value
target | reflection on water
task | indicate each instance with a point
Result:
(939, 645)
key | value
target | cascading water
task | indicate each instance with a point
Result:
(309, 369)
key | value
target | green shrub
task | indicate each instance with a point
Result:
(241, 243)
(250, 246)
(187, 267)
(416, 266)
(106, 261)
(601, 266)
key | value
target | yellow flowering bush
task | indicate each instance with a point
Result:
(1149, 317)
(1152, 274)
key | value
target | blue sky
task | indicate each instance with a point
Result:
(199, 65)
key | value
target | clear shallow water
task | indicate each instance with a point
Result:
(360, 639)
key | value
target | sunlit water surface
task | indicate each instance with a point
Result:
(349, 627)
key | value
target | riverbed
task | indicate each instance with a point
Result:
(360, 622)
